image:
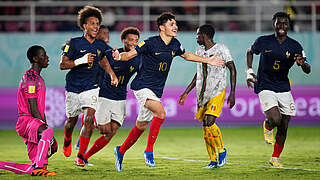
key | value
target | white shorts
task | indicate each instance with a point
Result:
(108, 110)
(142, 95)
(284, 101)
(76, 102)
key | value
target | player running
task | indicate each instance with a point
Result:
(82, 55)
(32, 124)
(157, 53)
(278, 54)
(111, 108)
(210, 82)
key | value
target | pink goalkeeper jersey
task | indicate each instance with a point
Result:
(31, 86)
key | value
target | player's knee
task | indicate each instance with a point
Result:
(142, 125)
(276, 119)
(161, 115)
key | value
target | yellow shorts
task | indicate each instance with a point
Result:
(213, 107)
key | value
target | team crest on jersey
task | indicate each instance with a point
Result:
(131, 68)
(172, 53)
(213, 107)
(141, 43)
(287, 54)
(98, 52)
(31, 89)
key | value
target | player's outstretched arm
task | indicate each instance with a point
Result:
(213, 60)
(251, 77)
(302, 62)
(184, 95)
(33, 106)
(233, 82)
(67, 63)
(106, 66)
(124, 56)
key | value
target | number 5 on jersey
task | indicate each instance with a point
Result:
(276, 64)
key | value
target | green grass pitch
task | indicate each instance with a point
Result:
(181, 154)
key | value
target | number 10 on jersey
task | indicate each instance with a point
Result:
(163, 66)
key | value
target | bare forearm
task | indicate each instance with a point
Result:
(106, 66)
(233, 76)
(189, 56)
(33, 107)
(249, 58)
(126, 56)
(191, 85)
(66, 63)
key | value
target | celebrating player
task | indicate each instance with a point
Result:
(82, 55)
(32, 124)
(157, 54)
(103, 34)
(278, 54)
(211, 82)
(111, 108)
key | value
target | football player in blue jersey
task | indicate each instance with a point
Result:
(157, 55)
(83, 56)
(278, 53)
(111, 108)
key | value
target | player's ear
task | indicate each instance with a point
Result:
(85, 26)
(161, 27)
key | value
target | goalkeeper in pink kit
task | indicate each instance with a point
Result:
(32, 125)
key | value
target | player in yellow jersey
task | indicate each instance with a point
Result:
(211, 82)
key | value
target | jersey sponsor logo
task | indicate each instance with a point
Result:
(141, 43)
(98, 52)
(287, 54)
(31, 89)
(157, 53)
(268, 51)
(82, 51)
(66, 49)
(131, 68)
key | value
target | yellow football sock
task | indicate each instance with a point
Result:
(214, 129)
(210, 144)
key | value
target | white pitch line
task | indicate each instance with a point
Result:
(192, 160)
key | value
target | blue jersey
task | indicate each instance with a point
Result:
(275, 61)
(102, 72)
(156, 61)
(124, 70)
(84, 76)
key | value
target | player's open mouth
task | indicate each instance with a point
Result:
(281, 31)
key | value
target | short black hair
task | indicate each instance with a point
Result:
(164, 17)
(129, 30)
(281, 14)
(33, 51)
(103, 27)
(86, 12)
(208, 30)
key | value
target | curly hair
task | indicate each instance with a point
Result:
(129, 30)
(86, 12)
